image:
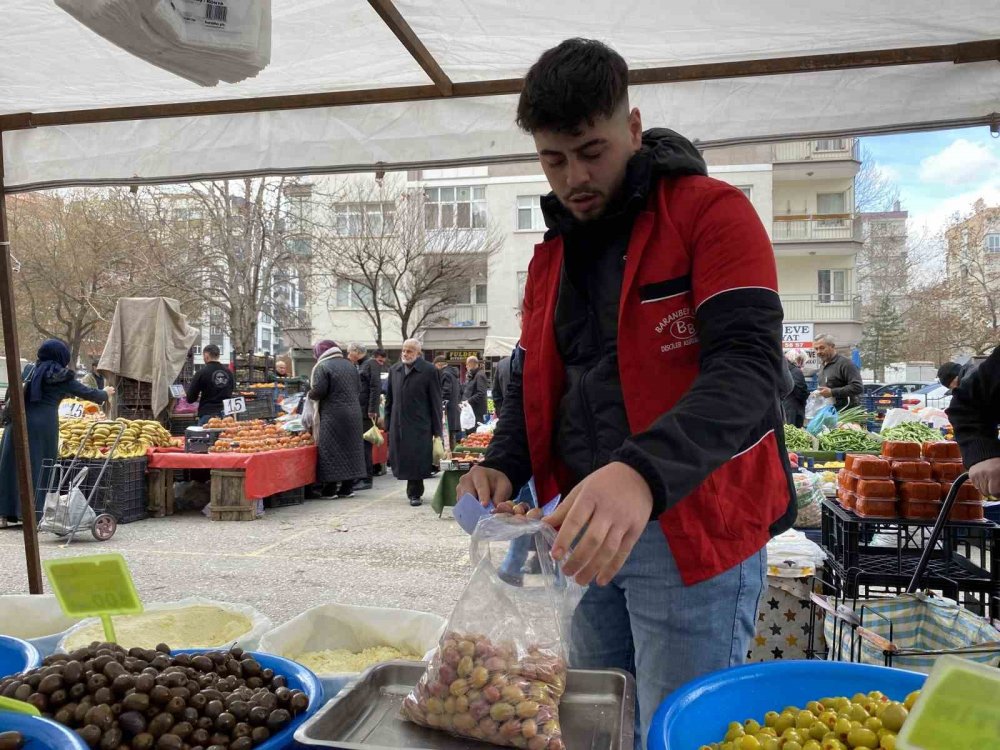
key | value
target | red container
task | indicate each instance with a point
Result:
(920, 509)
(873, 488)
(849, 500)
(900, 449)
(967, 512)
(911, 470)
(945, 449)
(967, 494)
(946, 471)
(925, 491)
(875, 507)
(847, 480)
(871, 467)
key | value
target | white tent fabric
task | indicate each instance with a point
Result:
(51, 63)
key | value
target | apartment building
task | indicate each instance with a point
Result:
(973, 248)
(883, 263)
(803, 192)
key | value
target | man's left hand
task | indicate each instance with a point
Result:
(825, 392)
(614, 504)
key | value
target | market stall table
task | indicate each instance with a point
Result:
(267, 473)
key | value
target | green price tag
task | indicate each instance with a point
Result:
(94, 586)
(958, 709)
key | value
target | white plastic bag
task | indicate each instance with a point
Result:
(896, 417)
(331, 626)
(248, 639)
(468, 417)
(37, 619)
(815, 403)
(65, 514)
(793, 555)
(310, 416)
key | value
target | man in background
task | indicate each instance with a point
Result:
(501, 379)
(974, 412)
(794, 402)
(382, 360)
(369, 395)
(93, 378)
(413, 418)
(211, 385)
(451, 394)
(839, 378)
(951, 374)
(475, 388)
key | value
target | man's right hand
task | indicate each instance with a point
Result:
(986, 476)
(486, 485)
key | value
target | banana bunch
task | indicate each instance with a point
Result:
(137, 437)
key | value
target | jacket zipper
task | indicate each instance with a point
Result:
(587, 413)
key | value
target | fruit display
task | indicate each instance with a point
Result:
(257, 437)
(88, 409)
(138, 437)
(145, 699)
(864, 722)
(489, 691)
(219, 423)
(477, 440)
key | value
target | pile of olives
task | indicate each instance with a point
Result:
(865, 722)
(144, 699)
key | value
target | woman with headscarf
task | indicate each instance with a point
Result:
(337, 422)
(46, 382)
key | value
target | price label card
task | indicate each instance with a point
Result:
(71, 410)
(94, 586)
(177, 390)
(957, 709)
(236, 405)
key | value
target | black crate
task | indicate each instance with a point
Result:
(285, 499)
(180, 422)
(879, 405)
(121, 491)
(126, 411)
(199, 441)
(259, 406)
(137, 391)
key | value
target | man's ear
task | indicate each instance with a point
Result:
(635, 127)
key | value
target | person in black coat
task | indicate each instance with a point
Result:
(795, 402)
(501, 378)
(413, 418)
(47, 382)
(335, 386)
(476, 388)
(974, 412)
(451, 394)
(369, 396)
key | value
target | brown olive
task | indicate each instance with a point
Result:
(176, 706)
(279, 681)
(112, 739)
(11, 740)
(267, 674)
(81, 710)
(242, 730)
(90, 734)
(182, 729)
(122, 684)
(241, 743)
(144, 683)
(240, 709)
(278, 718)
(39, 701)
(9, 687)
(198, 701)
(161, 724)
(23, 691)
(255, 682)
(225, 722)
(100, 716)
(213, 709)
(77, 691)
(135, 702)
(169, 742)
(260, 734)
(190, 715)
(34, 680)
(219, 739)
(58, 698)
(258, 715)
(159, 695)
(103, 695)
(101, 662)
(113, 669)
(72, 672)
(132, 722)
(50, 684)
(163, 648)
(144, 741)
(205, 723)
(299, 702)
(64, 715)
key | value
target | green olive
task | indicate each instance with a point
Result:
(893, 716)
(861, 737)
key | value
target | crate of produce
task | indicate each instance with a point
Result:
(879, 405)
(260, 405)
(121, 491)
(286, 499)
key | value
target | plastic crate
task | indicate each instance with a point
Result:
(121, 491)
(200, 440)
(879, 405)
(180, 422)
(286, 499)
(259, 406)
(128, 411)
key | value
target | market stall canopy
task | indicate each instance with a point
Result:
(422, 82)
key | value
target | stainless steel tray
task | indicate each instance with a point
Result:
(597, 712)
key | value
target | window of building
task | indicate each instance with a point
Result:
(353, 294)
(265, 340)
(831, 203)
(992, 243)
(831, 144)
(448, 207)
(480, 294)
(747, 190)
(833, 286)
(454, 173)
(529, 214)
(363, 219)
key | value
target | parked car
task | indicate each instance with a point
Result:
(870, 388)
(900, 389)
(933, 394)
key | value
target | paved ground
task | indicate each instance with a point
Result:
(389, 555)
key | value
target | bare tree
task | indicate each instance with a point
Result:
(874, 190)
(402, 265)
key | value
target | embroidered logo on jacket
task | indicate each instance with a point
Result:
(680, 327)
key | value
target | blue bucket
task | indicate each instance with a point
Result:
(298, 677)
(41, 734)
(17, 656)
(700, 712)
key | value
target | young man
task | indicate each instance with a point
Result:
(476, 388)
(974, 412)
(369, 395)
(211, 385)
(839, 378)
(650, 305)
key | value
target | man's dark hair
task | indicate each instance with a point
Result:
(212, 351)
(440, 358)
(572, 84)
(948, 372)
(380, 353)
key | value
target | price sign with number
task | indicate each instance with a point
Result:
(177, 390)
(94, 586)
(236, 405)
(71, 410)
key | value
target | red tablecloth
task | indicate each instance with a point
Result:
(267, 473)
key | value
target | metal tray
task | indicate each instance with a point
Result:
(597, 712)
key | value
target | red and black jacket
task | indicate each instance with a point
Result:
(700, 369)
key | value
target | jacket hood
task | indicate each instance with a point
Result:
(664, 153)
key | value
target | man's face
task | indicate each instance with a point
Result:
(954, 383)
(353, 356)
(586, 168)
(824, 351)
(281, 368)
(380, 359)
(409, 353)
(440, 365)
(471, 364)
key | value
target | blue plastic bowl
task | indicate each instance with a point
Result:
(299, 678)
(41, 734)
(17, 656)
(699, 713)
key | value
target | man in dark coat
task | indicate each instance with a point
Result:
(369, 396)
(839, 379)
(974, 412)
(501, 377)
(451, 393)
(475, 388)
(795, 402)
(413, 418)
(337, 429)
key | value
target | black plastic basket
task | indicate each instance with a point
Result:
(180, 422)
(285, 499)
(259, 406)
(120, 491)
(880, 404)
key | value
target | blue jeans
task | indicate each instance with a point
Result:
(647, 622)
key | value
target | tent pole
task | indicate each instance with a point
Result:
(18, 426)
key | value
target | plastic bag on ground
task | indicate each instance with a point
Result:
(499, 671)
(245, 627)
(333, 626)
(467, 418)
(38, 619)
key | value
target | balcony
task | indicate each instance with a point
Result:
(827, 149)
(816, 228)
(822, 308)
(462, 316)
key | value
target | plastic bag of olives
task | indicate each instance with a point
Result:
(500, 669)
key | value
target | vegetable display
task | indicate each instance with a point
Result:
(797, 439)
(913, 432)
(853, 415)
(846, 440)
(864, 722)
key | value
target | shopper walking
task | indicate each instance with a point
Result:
(974, 412)
(795, 401)
(475, 391)
(451, 396)
(839, 378)
(211, 385)
(46, 382)
(413, 418)
(369, 396)
(335, 386)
